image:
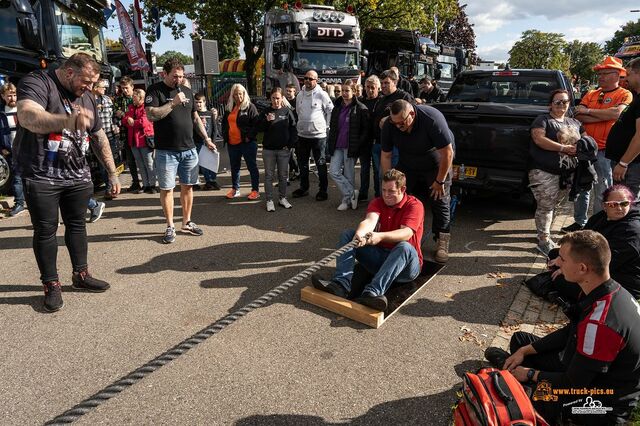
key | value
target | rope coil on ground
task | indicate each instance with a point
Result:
(133, 377)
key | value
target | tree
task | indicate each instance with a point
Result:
(245, 18)
(583, 57)
(457, 31)
(537, 49)
(631, 28)
(185, 59)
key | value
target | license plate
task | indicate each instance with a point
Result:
(469, 172)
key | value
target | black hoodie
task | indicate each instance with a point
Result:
(280, 133)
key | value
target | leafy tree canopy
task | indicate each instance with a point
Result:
(631, 28)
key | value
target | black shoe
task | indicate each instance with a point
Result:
(379, 303)
(134, 188)
(329, 286)
(362, 197)
(299, 193)
(53, 296)
(17, 210)
(148, 190)
(196, 187)
(321, 196)
(84, 281)
(496, 356)
(212, 186)
(572, 228)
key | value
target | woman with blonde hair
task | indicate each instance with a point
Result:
(239, 134)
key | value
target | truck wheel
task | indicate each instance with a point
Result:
(5, 176)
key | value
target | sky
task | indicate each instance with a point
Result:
(498, 24)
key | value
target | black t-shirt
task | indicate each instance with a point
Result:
(58, 157)
(552, 161)
(623, 131)
(175, 131)
(418, 149)
(383, 107)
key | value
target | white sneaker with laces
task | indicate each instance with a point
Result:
(285, 203)
(343, 206)
(270, 206)
(354, 199)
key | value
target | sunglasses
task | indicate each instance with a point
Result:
(309, 79)
(398, 124)
(614, 204)
(561, 102)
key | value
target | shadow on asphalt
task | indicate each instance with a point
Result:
(36, 302)
(433, 410)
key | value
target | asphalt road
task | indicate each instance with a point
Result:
(288, 363)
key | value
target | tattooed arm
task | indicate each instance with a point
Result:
(158, 113)
(33, 117)
(102, 149)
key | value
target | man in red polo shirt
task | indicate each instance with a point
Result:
(388, 244)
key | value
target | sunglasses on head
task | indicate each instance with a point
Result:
(614, 204)
(561, 102)
(309, 79)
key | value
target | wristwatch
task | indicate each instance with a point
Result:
(439, 183)
(530, 374)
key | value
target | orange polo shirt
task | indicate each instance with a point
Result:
(599, 99)
(235, 137)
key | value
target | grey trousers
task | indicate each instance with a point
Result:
(271, 159)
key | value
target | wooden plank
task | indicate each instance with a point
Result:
(344, 307)
(398, 295)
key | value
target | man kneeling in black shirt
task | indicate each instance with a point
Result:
(588, 371)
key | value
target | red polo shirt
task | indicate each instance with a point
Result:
(408, 212)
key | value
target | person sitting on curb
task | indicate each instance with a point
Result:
(599, 348)
(388, 245)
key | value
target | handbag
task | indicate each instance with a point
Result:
(150, 141)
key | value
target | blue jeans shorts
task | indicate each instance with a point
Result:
(184, 164)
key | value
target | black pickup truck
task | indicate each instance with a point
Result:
(490, 113)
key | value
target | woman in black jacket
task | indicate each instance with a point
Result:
(619, 223)
(239, 134)
(279, 125)
(348, 135)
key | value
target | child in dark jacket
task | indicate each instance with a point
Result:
(279, 125)
(139, 137)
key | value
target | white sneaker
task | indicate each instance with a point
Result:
(284, 203)
(343, 206)
(270, 206)
(354, 199)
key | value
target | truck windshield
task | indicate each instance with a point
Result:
(304, 61)
(77, 34)
(503, 87)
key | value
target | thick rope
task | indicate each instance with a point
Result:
(130, 379)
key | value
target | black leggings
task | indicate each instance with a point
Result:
(44, 200)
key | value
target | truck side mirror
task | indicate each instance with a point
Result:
(27, 24)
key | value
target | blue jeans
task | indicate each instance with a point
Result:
(365, 174)
(209, 176)
(605, 180)
(18, 192)
(399, 264)
(92, 203)
(184, 164)
(343, 172)
(631, 178)
(248, 151)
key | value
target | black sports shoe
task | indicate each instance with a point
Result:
(496, 356)
(84, 281)
(379, 303)
(134, 188)
(53, 296)
(572, 228)
(148, 190)
(299, 193)
(212, 186)
(321, 196)
(329, 286)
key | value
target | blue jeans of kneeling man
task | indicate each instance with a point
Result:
(399, 264)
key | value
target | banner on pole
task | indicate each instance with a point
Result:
(137, 58)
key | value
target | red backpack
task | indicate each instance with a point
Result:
(494, 397)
